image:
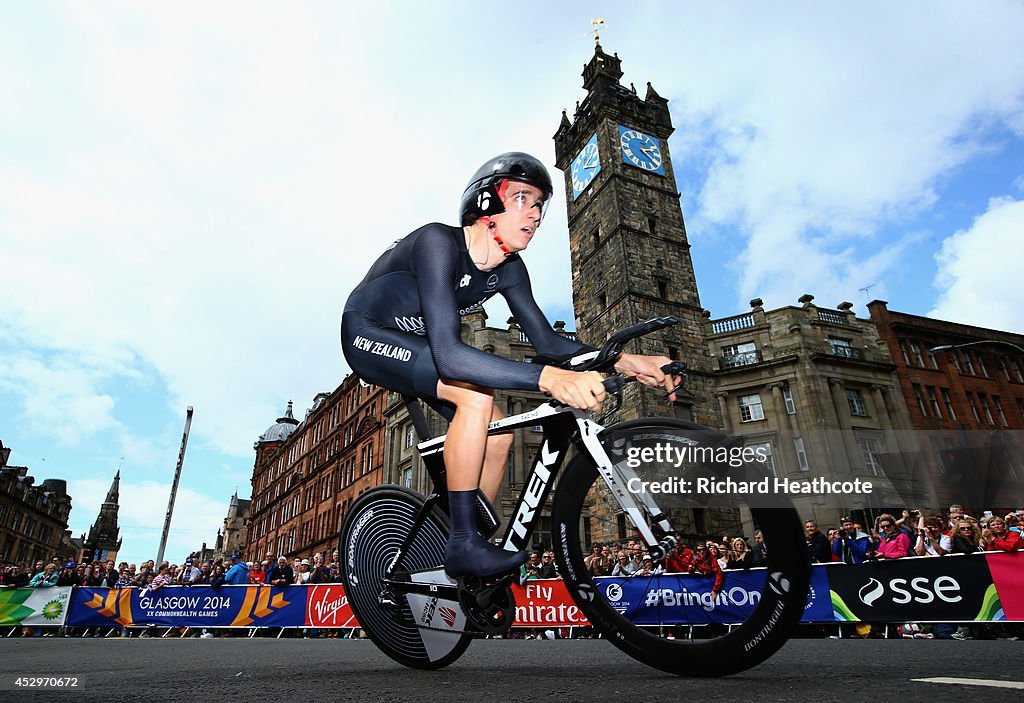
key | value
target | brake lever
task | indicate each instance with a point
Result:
(614, 385)
(675, 368)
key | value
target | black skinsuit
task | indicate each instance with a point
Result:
(400, 327)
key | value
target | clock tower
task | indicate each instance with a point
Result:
(630, 255)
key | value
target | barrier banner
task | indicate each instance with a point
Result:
(915, 589)
(34, 606)
(685, 599)
(546, 603)
(191, 606)
(1007, 569)
(327, 606)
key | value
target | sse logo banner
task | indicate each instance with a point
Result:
(915, 589)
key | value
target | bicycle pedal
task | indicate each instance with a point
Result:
(488, 608)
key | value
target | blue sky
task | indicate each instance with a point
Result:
(188, 193)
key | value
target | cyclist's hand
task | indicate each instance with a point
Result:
(582, 390)
(647, 370)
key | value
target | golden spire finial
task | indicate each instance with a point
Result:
(596, 23)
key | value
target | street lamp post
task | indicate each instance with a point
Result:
(950, 347)
(174, 488)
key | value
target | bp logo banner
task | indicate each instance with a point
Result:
(34, 606)
(916, 589)
(194, 606)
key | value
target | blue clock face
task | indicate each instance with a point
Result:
(641, 150)
(585, 167)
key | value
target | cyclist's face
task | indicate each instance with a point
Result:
(524, 209)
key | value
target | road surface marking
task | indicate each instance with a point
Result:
(973, 682)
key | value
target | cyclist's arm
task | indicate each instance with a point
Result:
(434, 261)
(519, 295)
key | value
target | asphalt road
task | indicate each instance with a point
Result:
(495, 670)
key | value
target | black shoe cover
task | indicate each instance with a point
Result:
(472, 555)
(469, 554)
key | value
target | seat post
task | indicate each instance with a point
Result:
(419, 419)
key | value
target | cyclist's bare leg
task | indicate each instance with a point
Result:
(470, 456)
(495, 459)
(466, 442)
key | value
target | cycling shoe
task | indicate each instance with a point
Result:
(472, 555)
(467, 553)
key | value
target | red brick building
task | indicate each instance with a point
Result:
(966, 403)
(308, 473)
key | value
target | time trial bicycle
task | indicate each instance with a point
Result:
(393, 542)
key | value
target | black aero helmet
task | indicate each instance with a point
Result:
(481, 197)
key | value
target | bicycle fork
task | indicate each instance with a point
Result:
(617, 477)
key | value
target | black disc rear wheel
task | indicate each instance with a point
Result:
(374, 531)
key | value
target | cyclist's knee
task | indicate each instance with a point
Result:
(467, 398)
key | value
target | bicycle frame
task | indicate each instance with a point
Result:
(560, 425)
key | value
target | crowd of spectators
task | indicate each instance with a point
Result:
(212, 572)
(915, 534)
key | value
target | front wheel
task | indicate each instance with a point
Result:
(669, 620)
(375, 529)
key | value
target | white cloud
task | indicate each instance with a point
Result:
(822, 130)
(980, 268)
(142, 507)
(197, 197)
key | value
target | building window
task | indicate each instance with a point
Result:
(596, 236)
(933, 400)
(856, 402)
(999, 411)
(949, 403)
(510, 469)
(931, 360)
(974, 409)
(903, 351)
(981, 364)
(920, 399)
(407, 477)
(663, 290)
(602, 301)
(739, 355)
(841, 347)
(801, 454)
(915, 351)
(652, 224)
(968, 364)
(764, 449)
(983, 399)
(1004, 368)
(750, 408)
(869, 450)
(1016, 372)
(1020, 406)
(682, 411)
(787, 396)
(410, 435)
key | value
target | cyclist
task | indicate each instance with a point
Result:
(400, 330)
